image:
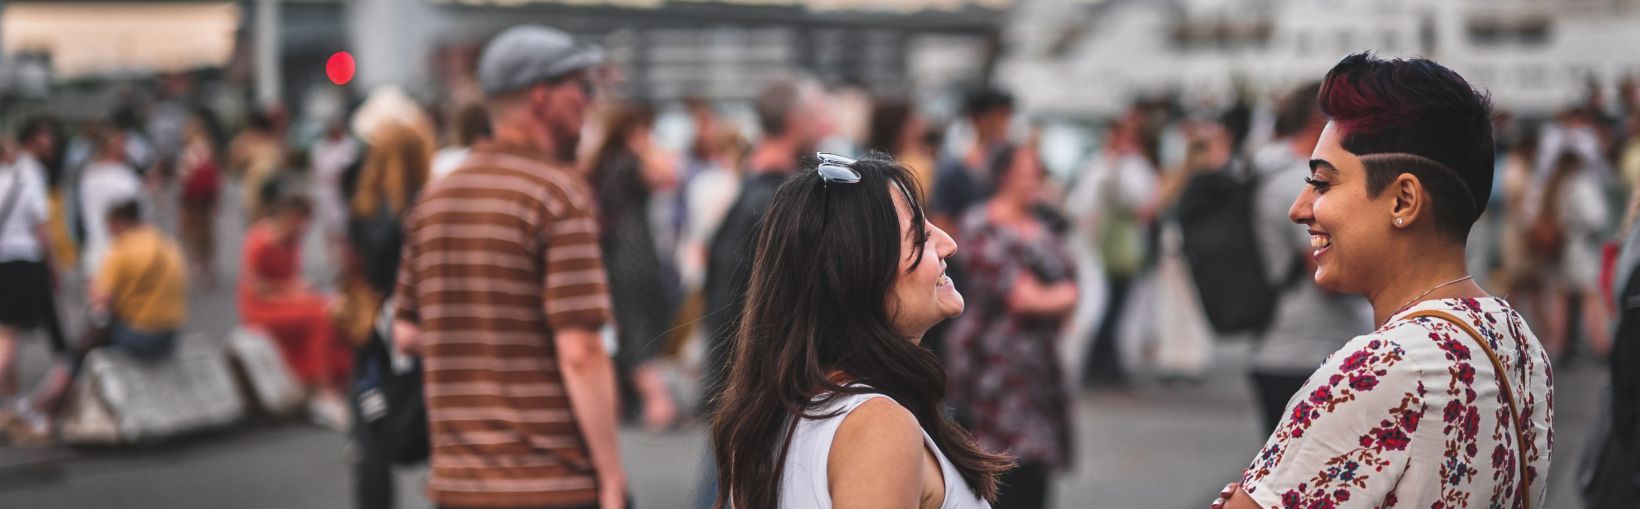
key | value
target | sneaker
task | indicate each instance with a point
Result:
(28, 428)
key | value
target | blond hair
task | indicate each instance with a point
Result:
(395, 169)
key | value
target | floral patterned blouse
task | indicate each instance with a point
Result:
(1412, 416)
(1004, 367)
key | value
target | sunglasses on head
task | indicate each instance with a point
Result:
(836, 168)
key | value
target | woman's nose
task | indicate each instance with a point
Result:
(944, 245)
(1301, 212)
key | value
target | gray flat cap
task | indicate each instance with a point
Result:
(528, 54)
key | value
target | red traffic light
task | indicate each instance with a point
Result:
(340, 68)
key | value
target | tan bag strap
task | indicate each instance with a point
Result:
(1525, 492)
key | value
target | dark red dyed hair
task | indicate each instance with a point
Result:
(1418, 108)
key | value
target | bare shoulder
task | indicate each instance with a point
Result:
(880, 422)
(876, 457)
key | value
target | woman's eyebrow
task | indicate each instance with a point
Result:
(1318, 164)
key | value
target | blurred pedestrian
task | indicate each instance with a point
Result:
(255, 156)
(962, 182)
(1410, 414)
(626, 170)
(106, 181)
(201, 187)
(898, 129)
(1608, 474)
(28, 297)
(502, 292)
(1124, 183)
(710, 184)
(1002, 352)
(1628, 166)
(139, 152)
(1181, 336)
(275, 298)
(139, 302)
(1520, 274)
(333, 155)
(394, 172)
(1308, 323)
(470, 126)
(1568, 230)
(167, 122)
(792, 118)
(41, 142)
(830, 400)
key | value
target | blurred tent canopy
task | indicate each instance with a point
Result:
(87, 38)
(895, 6)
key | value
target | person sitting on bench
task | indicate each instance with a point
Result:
(138, 304)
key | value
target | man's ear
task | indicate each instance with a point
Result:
(540, 96)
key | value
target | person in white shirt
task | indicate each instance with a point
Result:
(106, 181)
(26, 296)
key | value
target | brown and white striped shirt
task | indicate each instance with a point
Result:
(497, 256)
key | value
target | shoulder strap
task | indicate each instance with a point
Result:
(1525, 492)
(11, 194)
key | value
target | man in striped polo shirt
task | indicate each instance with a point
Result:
(502, 292)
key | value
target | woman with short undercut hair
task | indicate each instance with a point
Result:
(1448, 403)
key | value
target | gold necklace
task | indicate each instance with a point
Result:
(1432, 290)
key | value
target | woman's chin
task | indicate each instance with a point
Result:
(1328, 282)
(950, 302)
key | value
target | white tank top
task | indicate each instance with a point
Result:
(803, 481)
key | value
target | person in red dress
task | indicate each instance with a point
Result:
(274, 298)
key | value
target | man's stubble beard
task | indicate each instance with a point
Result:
(568, 141)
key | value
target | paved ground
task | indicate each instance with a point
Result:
(1159, 446)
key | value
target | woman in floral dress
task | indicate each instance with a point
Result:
(1002, 352)
(1449, 403)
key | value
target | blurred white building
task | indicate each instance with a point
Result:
(1090, 58)
(671, 49)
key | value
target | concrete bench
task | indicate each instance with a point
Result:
(267, 381)
(118, 399)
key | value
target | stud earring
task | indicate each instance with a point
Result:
(1399, 221)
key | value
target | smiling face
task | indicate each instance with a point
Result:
(1349, 229)
(924, 296)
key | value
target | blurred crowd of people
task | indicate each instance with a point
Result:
(1073, 280)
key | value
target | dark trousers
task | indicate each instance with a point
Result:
(29, 300)
(1274, 391)
(1024, 487)
(1104, 360)
(372, 468)
(54, 324)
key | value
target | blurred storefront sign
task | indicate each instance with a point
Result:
(92, 38)
(897, 6)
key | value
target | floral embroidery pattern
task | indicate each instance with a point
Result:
(1357, 434)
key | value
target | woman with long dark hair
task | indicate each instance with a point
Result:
(830, 400)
